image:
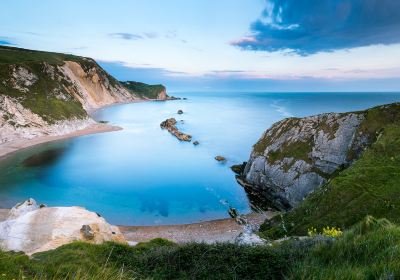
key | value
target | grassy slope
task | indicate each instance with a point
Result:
(41, 98)
(369, 187)
(369, 250)
(158, 259)
(144, 90)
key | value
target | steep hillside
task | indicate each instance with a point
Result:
(369, 187)
(297, 156)
(44, 93)
(145, 91)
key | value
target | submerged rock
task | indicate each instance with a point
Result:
(170, 125)
(196, 143)
(220, 158)
(32, 229)
(180, 112)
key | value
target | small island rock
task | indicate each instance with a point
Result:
(220, 158)
(170, 125)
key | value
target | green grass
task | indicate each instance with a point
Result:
(368, 250)
(159, 259)
(144, 90)
(369, 187)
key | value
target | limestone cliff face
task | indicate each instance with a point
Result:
(93, 87)
(297, 155)
(51, 94)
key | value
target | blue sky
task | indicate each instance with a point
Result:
(235, 45)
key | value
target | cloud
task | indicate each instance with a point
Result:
(312, 26)
(134, 36)
(238, 80)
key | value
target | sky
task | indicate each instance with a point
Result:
(221, 45)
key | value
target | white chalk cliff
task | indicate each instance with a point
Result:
(31, 228)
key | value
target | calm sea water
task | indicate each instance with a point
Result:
(142, 175)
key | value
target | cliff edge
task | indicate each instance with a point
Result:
(43, 93)
(298, 155)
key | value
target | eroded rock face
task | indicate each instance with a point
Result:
(170, 125)
(32, 229)
(296, 156)
(93, 88)
(80, 87)
(18, 122)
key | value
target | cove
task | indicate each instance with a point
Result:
(142, 175)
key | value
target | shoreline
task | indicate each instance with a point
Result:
(214, 231)
(220, 230)
(9, 148)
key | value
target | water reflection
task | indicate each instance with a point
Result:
(44, 158)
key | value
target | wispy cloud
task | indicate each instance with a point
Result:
(312, 26)
(134, 36)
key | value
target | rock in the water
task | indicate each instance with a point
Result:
(180, 112)
(31, 229)
(170, 125)
(196, 143)
(220, 158)
(238, 168)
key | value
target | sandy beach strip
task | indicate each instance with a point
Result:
(11, 147)
(223, 230)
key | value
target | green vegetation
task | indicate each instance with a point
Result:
(369, 187)
(297, 150)
(50, 96)
(144, 90)
(369, 250)
(158, 259)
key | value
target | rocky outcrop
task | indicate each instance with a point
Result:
(18, 122)
(148, 92)
(170, 125)
(297, 155)
(30, 228)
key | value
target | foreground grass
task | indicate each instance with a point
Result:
(369, 250)
(369, 187)
(158, 259)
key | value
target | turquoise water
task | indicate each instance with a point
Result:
(144, 176)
